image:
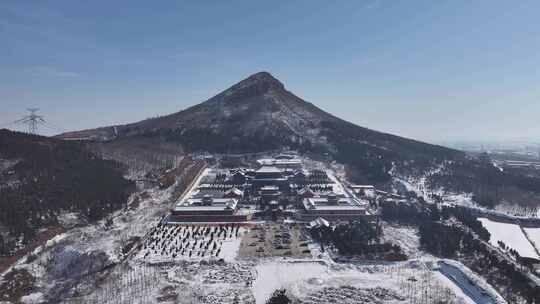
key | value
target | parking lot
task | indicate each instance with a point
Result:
(274, 239)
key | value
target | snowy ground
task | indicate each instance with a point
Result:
(338, 187)
(511, 235)
(405, 237)
(252, 280)
(193, 190)
(313, 282)
(274, 275)
(419, 185)
(154, 275)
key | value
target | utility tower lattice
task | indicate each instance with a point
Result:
(32, 120)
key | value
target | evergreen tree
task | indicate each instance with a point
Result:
(279, 297)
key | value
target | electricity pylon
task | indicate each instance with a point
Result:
(32, 120)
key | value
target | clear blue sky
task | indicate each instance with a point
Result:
(432, 70)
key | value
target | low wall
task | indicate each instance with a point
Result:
(208, 218)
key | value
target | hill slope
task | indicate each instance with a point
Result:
(259, 114)
(41, 177)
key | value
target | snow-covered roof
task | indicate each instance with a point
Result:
(306, 190)
(234, 190)
(268, 169)
(319, 222)
(299, 172)
(362, 187)
(196, 204)
(284, 156)
(321, 203)
(238, 173)
(269, 188)
(280, 162)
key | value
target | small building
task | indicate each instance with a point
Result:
(238, 177)
(299, 177)
(332, 208)
(208, 209)
(269, 176)
(284, 156)
(234, 193)
(282, 162)
(270, 194)
(306, 192)
(363, 190)
(318, 223)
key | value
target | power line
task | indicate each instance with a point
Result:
(55, 126)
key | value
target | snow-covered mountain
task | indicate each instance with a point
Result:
(258, 113)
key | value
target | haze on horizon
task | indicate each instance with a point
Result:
(430, 70)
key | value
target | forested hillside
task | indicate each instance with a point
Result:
(42, 177)
(489, 185)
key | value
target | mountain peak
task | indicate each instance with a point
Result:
(263, 76)
(261, 82)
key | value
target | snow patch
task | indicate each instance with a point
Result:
(33, 298)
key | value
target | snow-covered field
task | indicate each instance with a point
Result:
(274, 275)
(511, 235)
(405, 237)
(326, 282)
